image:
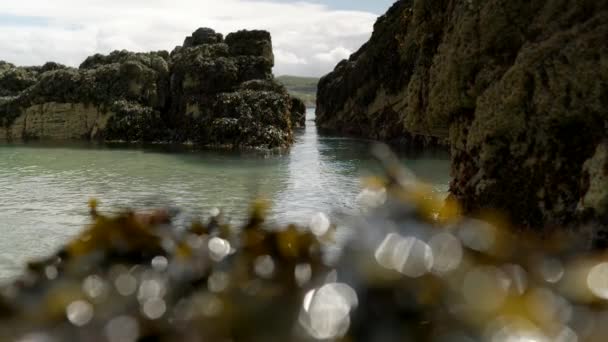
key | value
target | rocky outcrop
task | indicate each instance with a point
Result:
(594, 199)
(155, 97)
(379, 93)
(77, 103)
(56, 121)
(223, 91)
(14, 80)
(518, 89)
(298, 113)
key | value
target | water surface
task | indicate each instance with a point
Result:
(44, 189)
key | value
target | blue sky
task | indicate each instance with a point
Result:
(309, 37)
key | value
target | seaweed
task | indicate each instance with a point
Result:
(408, 267)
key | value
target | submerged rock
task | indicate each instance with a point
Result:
(511, 86)
(155, 96)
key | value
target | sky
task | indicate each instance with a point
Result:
(309, 36)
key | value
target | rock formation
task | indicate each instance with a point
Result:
(298, 118)
(518, 89)
(200, 93)
(223, 91)
(14, 80)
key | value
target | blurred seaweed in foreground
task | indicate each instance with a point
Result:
(408, 268)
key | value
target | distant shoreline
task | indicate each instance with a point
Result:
(304, 88)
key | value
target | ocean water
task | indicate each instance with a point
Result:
(44, 189)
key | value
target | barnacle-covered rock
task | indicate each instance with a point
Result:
(203, 36)
(298, 108)
(249, 118)
(6, 66)
(150, 59)
(153, 97)
(508, 85)
(298, 112)
(50, 66)
(263, 85)
(223, 92)
(132, 122)
(68, 103)
(14, 80)
(255, 43)
(595, 183)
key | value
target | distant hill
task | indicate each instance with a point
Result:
(304, 88)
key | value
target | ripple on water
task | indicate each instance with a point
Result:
(44, 191)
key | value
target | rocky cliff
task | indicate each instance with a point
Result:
(518, 89)
(201, 93)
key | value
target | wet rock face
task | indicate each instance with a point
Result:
(510, 86)
(595, 184)
(203, 36)
(249, 118)
(298, 112)
(62, 98)
(223, 92)
(157, 96)
(376, 93)
(14, 80)
(251, 43)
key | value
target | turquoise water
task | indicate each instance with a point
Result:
(44, 189)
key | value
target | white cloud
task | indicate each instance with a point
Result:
(333, 56)
(309, 39)
(288, 58)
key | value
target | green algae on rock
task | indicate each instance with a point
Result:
(595, 184)
(155, 96)
(224, 94)
(517, 89)
(14, 80)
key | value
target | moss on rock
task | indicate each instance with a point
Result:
(132, 122)
(203, 36)
(223, 92)
(162, 97)
(298, 112)
(510, 85)
(15, 80)
(251, 43)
